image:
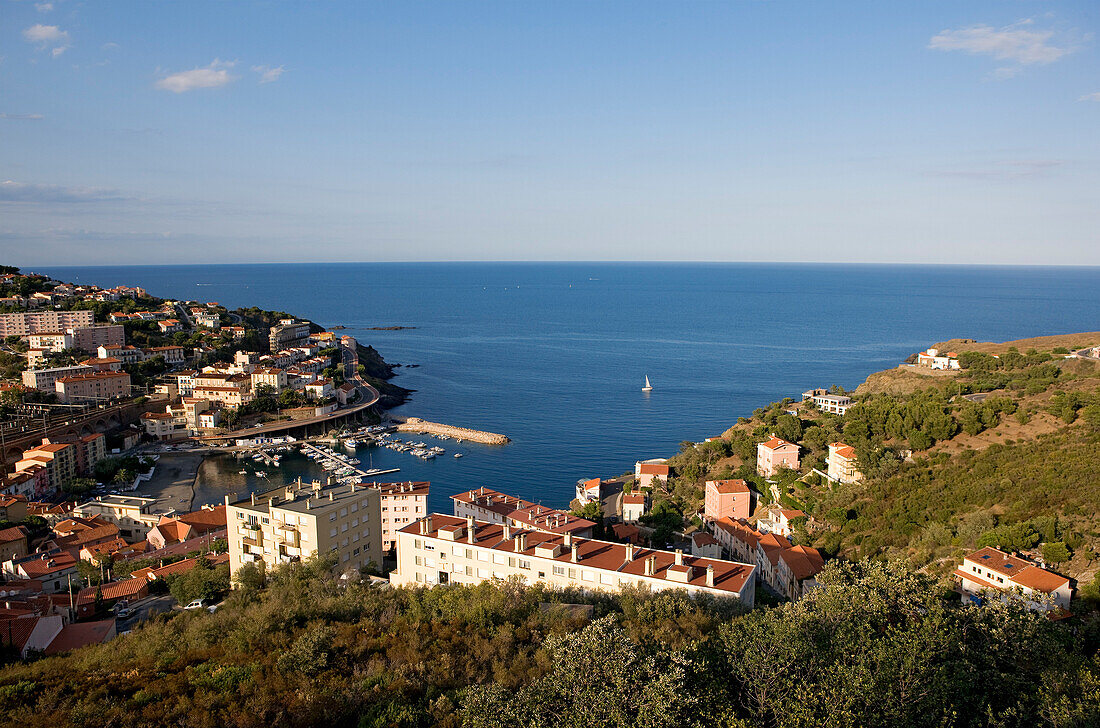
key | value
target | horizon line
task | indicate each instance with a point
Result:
(567, 262)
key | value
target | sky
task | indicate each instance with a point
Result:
(915, 131)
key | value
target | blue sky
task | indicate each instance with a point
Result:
(193, 132)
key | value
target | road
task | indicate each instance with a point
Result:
(145, 609)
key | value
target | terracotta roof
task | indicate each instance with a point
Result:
(75, 636)
(411, 488)
(725, 487)
(776, 443)
(703, 539)
(112, 591)
(15, 533)
(729, 576)
(844, 451)
(1040, 579)
(803, 561)
(652, 469)
(634, 499)
(1019, 570)
(739, 530)
(41, 567)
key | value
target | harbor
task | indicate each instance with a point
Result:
(423, 427)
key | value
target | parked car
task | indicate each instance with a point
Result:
(124, 613)
(196, 604)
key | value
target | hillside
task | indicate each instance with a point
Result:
(878, 646)
(1005, 451)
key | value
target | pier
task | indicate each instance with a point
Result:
(321, 455)
(423, 427)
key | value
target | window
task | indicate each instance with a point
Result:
(354, 507)
(559, 571)
(587, 575)
(417, 543)
(512, 561)
(343, 527)
(572, 573)
(332, 533)
(419, 577)
(483, 573)
(417, 560)
(457, 550)
(332, 516)
(524, 564)
(482, 556)
(498, 558)
(607, 579)
(343, 512)
(469, 553)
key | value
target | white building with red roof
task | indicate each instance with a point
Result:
(842, 464)
(991, 571)
(647, 471)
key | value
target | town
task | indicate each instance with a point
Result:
(97, 382)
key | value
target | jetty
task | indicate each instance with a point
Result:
(337, 463)
(423, 427)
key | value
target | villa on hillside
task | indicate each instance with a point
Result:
(774, 454)
(934, 359)
(991, 571)
(646, 471)
(842, 464)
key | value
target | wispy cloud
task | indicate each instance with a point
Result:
(48, 36)
(21, 117)
(44, 7)
(1095, 96)
(269, 74)
(1008, 169)
(11, 191)
(1020, 44)
(212, 76)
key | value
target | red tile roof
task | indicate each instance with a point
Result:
(75, 636)
(776, 443)
(726, 487)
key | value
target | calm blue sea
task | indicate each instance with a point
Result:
(553, 355)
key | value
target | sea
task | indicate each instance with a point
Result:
(554, 355)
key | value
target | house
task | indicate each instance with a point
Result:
(103, 364)
(727, 499)
(76, 533)
(589, 490)
(13, 508)
(53, 569)
(169, 326)
(645, 472)
(13, 543)
(93, 388)
(132, 515)
(774, 454)
(842, 464)
(626, 533)
(173, 355)
(269, 376)
(74, 636)
(633, 507)
(125, 353)
(58, 459)
(321, 389)
(935, 359)
(345, 393)
(778, 520)
(170, 530)
(796, 570)
(108, 594)
(991, 571)
(30, 635)
(738, 538)
(705, 545)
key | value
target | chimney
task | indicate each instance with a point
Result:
(227, 500)
(650, 566)
(574, 556)
(567, 539)
(309, 501)
(521, 542)
(253, 498)
(507, 532)
(710, 575)
(331, 496)
(425, 524)
(470, 527)
(630, 552)
(679, 557)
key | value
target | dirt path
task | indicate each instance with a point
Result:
(173, 482)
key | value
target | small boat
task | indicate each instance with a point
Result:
(458, 454)
(242, 472)
(647, 387)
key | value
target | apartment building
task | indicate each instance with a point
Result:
(45, 380)
(123, 352)
(442, 549)
(90, 338)
(990, 572)
(788, 570)
(22, 324)
(842, 464)
(133, 515)
(59, 460)
(486, 504)
(297, 521)
(269, 376)
(52, 341)
(93, 387)
(727, 499)
(172, 354)
(774, 454)
(288, 333)
(402, 504)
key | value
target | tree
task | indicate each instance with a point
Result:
(598, 677)
(1055, 553)
(79, 486)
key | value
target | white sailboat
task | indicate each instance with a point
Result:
(647, 387)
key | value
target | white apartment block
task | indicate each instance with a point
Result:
(22, 324)
(442, 549)
(402, 504)
(486, 504)
(301, 520)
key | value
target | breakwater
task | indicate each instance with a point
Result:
(423, 427)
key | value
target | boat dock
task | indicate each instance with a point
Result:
(341, 466)
(423, 427)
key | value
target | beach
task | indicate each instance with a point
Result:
(173, 481)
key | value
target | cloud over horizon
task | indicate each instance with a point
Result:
(12, 191)
(212, 76)
(21, 117)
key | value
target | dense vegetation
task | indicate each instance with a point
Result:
(879, 646)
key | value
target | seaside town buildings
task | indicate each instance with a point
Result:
(786, 569)
(727, 499)
(647, 471)
(440, 549)
(836, 404)
(774, 454)
(296, 521)
(486, 504)
(22, 324)
(989, 572)
(400, 504)
(934, 359)
(842, 464)
(92, 387)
